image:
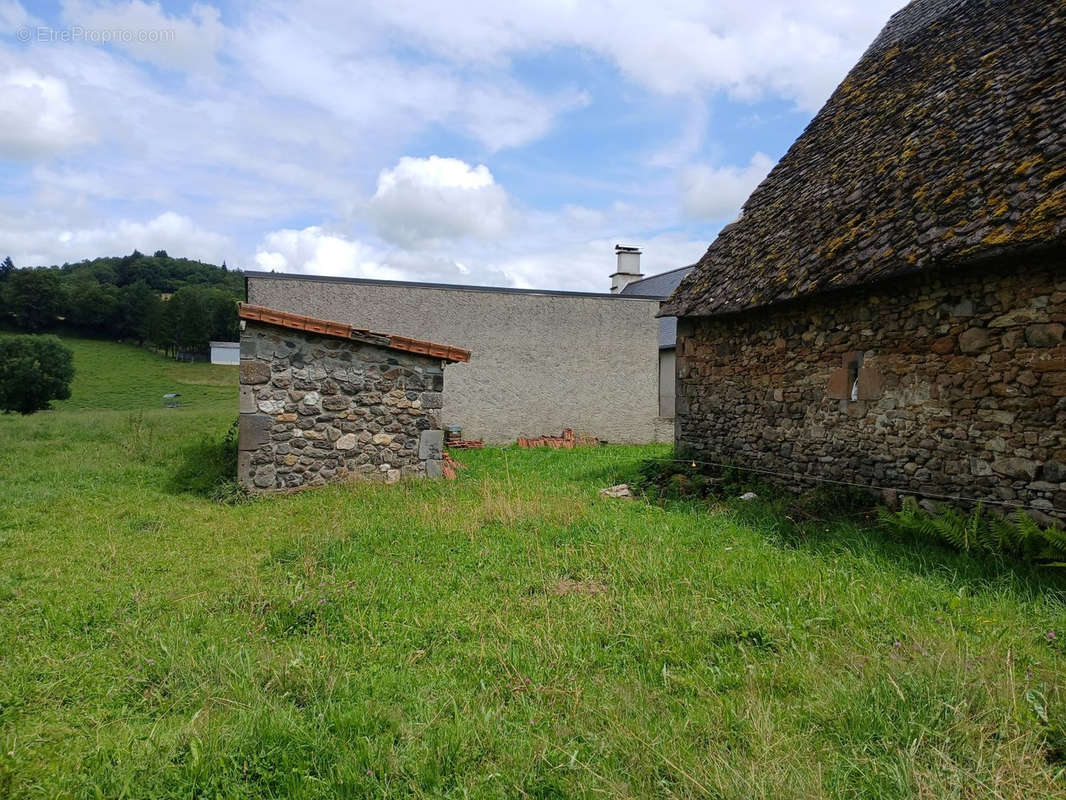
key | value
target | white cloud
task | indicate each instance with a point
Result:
(690, 141)
(716, 193)
(346, 69)
(534, 256)
(148, 33)
(33, 241)
(587, 265)
(423, 200)
(672, 47)
(314, 251)
(312, 98)
(14, 16)
(38, 116)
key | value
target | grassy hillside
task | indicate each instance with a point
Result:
(121, 377)
(510, 634)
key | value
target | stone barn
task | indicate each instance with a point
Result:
(322, 401)
(889, 308)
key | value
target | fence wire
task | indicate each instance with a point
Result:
(799, 476)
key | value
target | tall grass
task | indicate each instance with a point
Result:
(509, 634)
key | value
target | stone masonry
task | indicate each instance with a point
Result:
(948, 383)
(316, 409)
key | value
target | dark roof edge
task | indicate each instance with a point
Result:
(660, 274)
(448, 286)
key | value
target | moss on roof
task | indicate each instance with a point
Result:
(945, 144)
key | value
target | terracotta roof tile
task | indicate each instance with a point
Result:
(341, 330)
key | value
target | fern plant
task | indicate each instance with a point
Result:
(1016, 536)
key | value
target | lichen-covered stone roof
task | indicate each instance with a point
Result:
(946, 144)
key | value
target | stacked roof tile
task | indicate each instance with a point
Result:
(342, 330)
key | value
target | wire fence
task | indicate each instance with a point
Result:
(807, 477)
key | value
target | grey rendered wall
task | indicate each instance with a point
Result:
(667, 371)
(540, 362)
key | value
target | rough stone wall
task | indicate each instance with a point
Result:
(543, 361)
(316, 409)
(961, 385)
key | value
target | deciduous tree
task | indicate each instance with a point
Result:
(34, 371)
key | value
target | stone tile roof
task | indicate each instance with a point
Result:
(945, 145)
(661, 285)
(341, 330)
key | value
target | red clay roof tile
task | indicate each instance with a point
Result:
(341, 330)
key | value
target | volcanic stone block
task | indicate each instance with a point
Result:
(253, 372)
(347, 442)
(1044, 335)
(1018, 468)
(265, 476)
(973, 340)
(247, 404)
(430, 444)
(254, 431)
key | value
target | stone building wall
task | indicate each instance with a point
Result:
(959, 380)
(545, 360)
(316, 409)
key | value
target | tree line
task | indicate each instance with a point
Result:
(174, 304)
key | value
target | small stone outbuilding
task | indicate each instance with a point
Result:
(890, 308)
(322, 401)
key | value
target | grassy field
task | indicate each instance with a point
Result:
(509, 634)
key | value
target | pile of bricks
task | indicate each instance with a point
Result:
(449, 466)
(464, 444)
(565, 442)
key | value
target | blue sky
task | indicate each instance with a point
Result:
(485, 142)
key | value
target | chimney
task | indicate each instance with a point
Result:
(628, 267)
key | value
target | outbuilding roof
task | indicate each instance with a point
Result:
(342, 330)
(945, 145)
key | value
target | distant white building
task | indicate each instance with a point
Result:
(226, 353)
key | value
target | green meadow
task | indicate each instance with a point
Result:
(508, 634)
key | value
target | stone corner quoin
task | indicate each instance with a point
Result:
(316, 409)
